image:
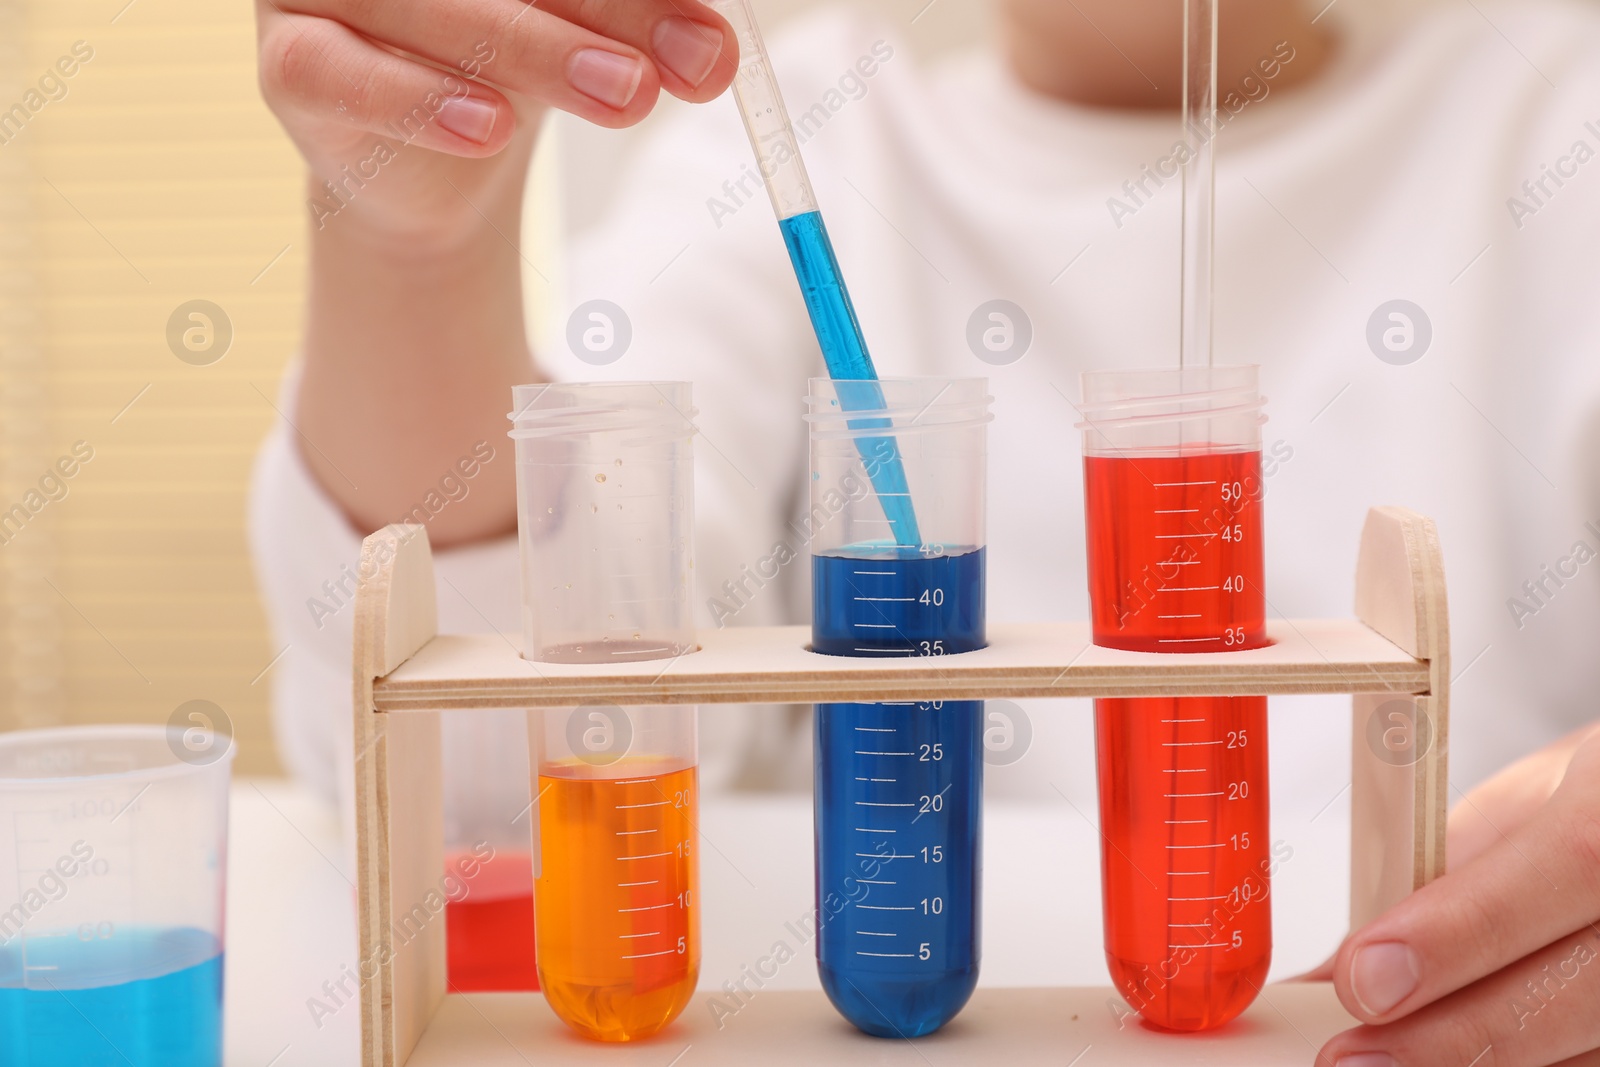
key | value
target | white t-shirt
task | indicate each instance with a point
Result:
(1397, 175)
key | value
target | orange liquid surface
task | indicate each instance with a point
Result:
(617, 907)
(489, 932)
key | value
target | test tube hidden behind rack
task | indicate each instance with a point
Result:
(899, 784)
(606, 519)
(816, 268)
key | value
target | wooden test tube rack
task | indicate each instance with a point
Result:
(1397, 646)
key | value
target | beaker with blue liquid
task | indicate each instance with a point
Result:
(113, 852)
(898, 783)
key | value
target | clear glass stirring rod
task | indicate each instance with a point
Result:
(1199, 181)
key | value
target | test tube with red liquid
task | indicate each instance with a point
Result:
(1172, 486)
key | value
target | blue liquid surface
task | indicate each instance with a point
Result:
(902, 606)
(144, 998)
(898, 799)
(844, 350)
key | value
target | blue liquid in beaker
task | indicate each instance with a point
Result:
(844, 350)
(898, 792)
(141, 998)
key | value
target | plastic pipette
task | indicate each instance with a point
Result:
(833, 317)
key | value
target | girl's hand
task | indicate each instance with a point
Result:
(406, 106)
(1497, 964)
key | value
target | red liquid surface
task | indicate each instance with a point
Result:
(1175, 553)
(1175, 565)
(489, 932)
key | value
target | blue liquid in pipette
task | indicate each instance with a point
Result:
(141, 998)
(844, 350)
(898, 793)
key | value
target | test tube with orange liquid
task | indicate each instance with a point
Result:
(1173, 486)
(606, 514)
(616, 878)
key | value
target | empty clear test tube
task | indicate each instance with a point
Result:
(1172, 482)
(898, 783)
(606, 510)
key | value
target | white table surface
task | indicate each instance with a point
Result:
(291, 901)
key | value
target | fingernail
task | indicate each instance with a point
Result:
(688, 49)
(1366, 1059)
(1381, 976)
(605, 76)
(469, 118)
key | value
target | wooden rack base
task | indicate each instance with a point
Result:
(1038, 1028)
(1394, 658)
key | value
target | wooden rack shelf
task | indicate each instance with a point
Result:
(771, 665)
(1395, 649)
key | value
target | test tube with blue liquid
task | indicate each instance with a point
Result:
(833, 316)
(899, 783)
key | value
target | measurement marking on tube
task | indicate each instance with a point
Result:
(896, 704)
(891, 781)
(1214, 944)
(652, 804)
(872, 933)
(1194, 616)
(1188, 926)
(1184, 770)
(634, 781)
(1181, 796)
(1177, 511)
(626, 885)
(896, 652)
(886, 907)
(869, 881)
(890, 856)
(875, 729)
(652, 907)
(653, 933)
(885, 599)
(651, 856)
(1177, 874)
(1188, 589)
(1181, 537)
(862, 753)
(1195, 846)
(1187, 744)
(874, 625)
(887, 574)
(874, 830)
(647, 955)
(629, 833)
(881, 804)
(1185, 640)
(1185, 900)
(1186, 822)
(1169, 485)
(1183, 720)
(886, 955)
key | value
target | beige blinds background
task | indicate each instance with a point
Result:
(150, 177)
